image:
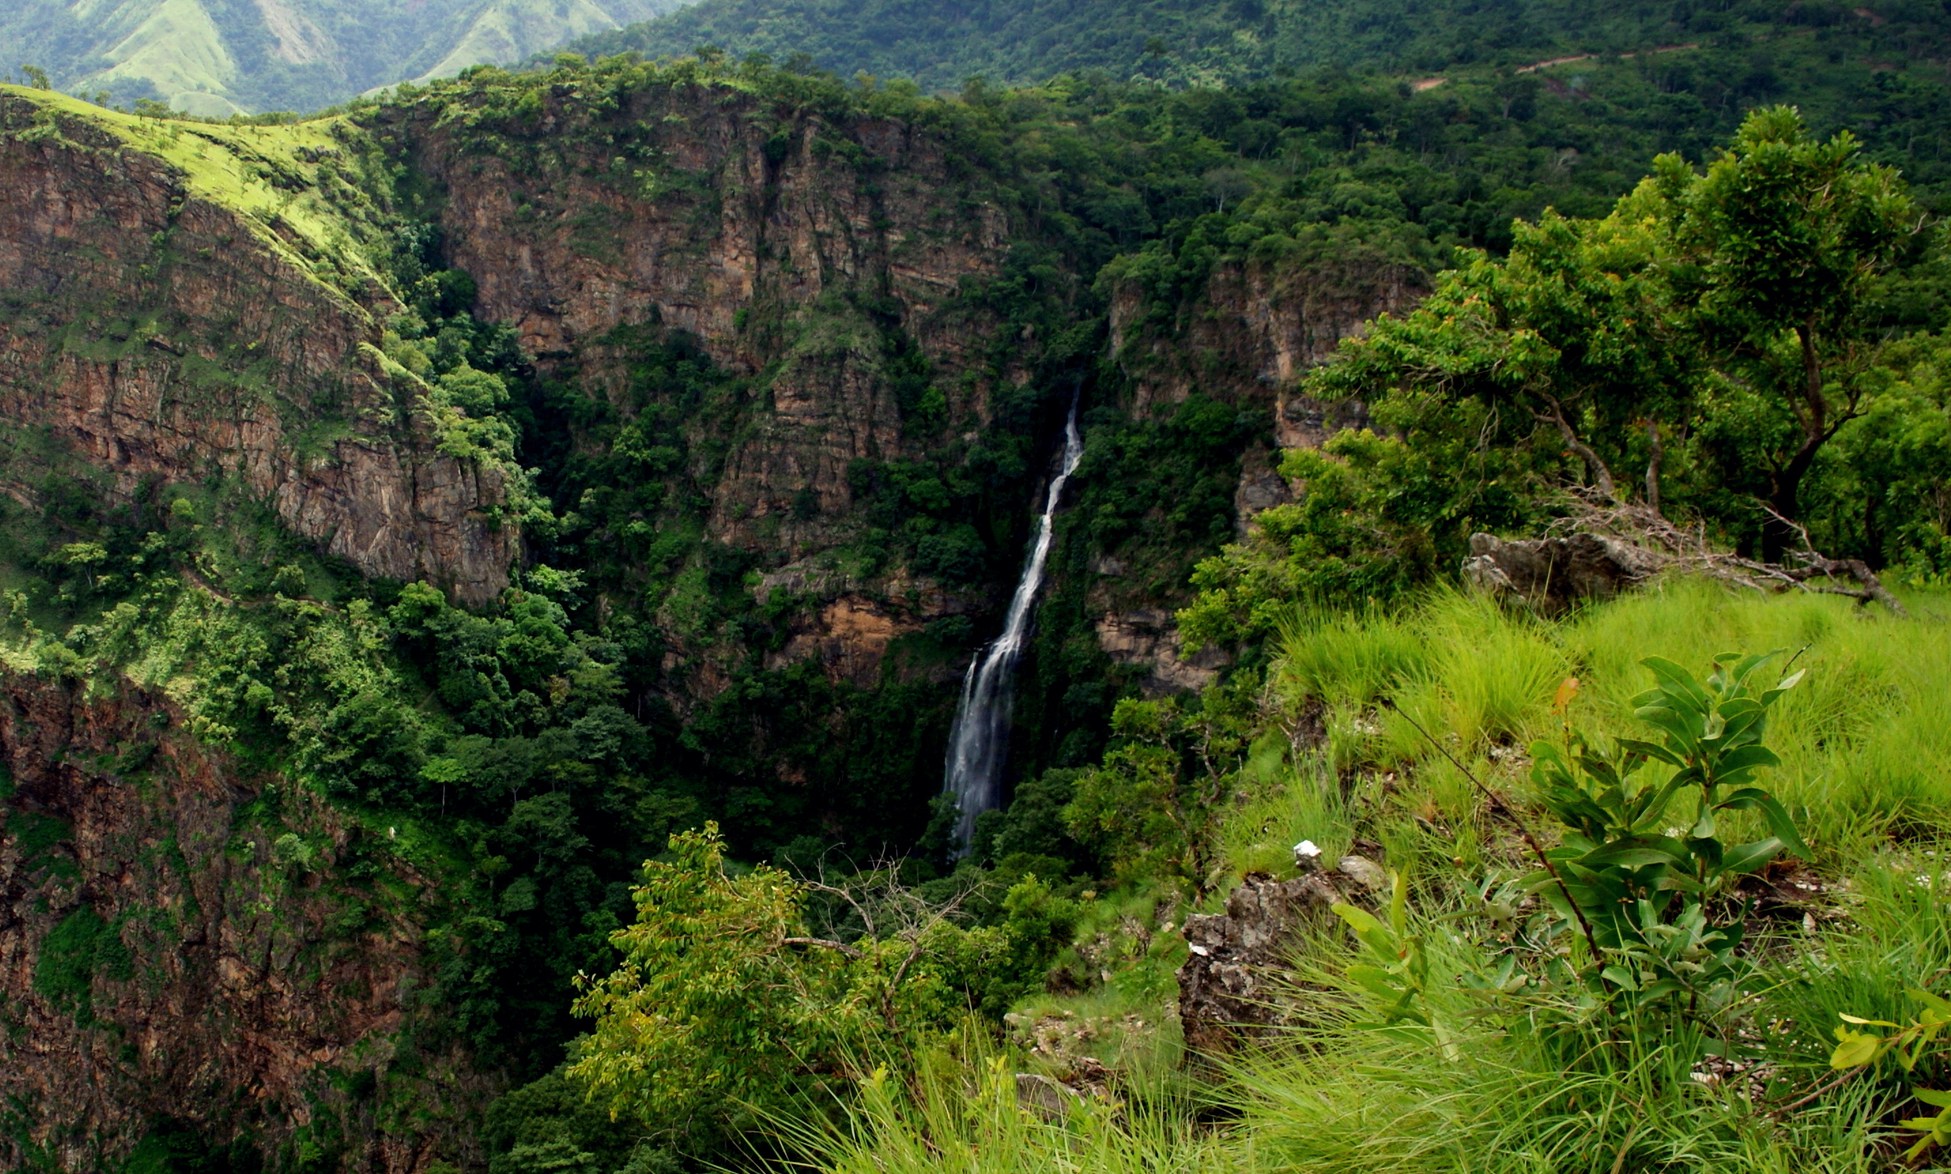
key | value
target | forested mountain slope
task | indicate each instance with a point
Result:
(410, 518)
(217, 57)
(1187, 42)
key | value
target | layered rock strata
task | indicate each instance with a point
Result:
(150, 336)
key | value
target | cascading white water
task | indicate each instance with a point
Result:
(979, 741)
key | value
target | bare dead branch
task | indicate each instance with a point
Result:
(1642, 543)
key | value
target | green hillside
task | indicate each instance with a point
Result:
(219, 57)
(487, 574)
(1177, 42)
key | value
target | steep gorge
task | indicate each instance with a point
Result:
(792, 375)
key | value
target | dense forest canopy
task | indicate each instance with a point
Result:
(1180, 43)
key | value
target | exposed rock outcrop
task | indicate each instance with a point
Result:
(1149, 638)
(151, 336)
(1554, 574)
(1231, 986)
(1253, 333)
(1248, 338)
(850, 636)
(792, 250)
(177, 942)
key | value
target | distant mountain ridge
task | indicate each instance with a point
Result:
(218, 57)
(940, 45)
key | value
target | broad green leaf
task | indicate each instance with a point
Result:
(1854, 1049)
(1630, 855)
(1779, 821)
(1676, 680)
(1652, 750)
(1745, 758)
(1375, 979)
(1746, 858)
(1359, 920)
(1704, 826)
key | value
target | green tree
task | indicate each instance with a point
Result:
(727, 1004)
(711, 1008)
(1775, 247)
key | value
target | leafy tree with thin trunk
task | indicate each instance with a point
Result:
(1774, 248)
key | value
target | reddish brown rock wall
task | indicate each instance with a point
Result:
(245, 986)
(150, 334)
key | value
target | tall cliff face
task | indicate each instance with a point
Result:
(1245, 339)
(796, 248)
(830, 265)
(181, 950)
(1251, 334)
(153, 334)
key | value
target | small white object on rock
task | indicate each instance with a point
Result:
(1306, 855)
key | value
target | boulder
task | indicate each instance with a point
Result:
(1230, 987)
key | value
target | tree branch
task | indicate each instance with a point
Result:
(1601, 475)
(825, 944)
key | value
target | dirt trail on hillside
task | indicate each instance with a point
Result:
(1549, 62)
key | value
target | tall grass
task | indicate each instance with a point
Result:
(1865, 743)
(1863, 739)
(963, 1111)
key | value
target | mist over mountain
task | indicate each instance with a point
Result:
(219, 57)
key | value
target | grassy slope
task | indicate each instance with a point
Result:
(288, 183)
(215, 58)
(1863, 742)
(179, 50)
(510, 30)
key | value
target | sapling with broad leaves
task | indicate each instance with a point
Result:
(1654, 896)
(1647, 906)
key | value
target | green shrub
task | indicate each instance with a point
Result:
(77, 949)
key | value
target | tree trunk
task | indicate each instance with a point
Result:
(1785, 484)
(1785, 499)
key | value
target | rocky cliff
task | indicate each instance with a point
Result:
(793, 406)
(1251, 333)
(1245, 340)
(183, 957)
(153, 332)
(795, 247)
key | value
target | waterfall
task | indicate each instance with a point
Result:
(979, 741)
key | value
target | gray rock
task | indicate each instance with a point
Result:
(1364, 872)
(1229, 987)
(1048, 1098)
(1553, 574)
